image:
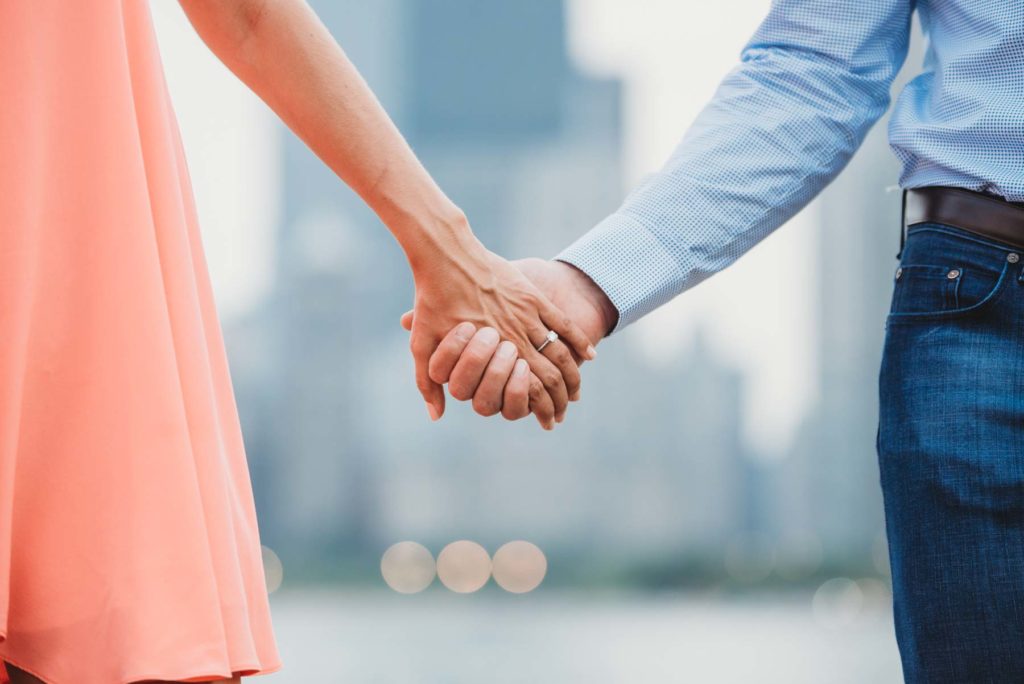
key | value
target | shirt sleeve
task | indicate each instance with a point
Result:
(811, 82)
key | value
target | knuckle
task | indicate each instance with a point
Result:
(515, 414)
(421, 349)
(484, 406)
(563, 357)
(536, 391)
(551, 378)
(436, 375)
(514, 402)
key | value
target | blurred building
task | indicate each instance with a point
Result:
(527, 145)
(650, 466)
(829, 489)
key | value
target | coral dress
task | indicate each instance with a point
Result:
(129, 548)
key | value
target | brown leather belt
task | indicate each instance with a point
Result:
(986, 215)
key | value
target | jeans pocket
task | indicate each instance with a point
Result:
(933, 289)
(943, 275)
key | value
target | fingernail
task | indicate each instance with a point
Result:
(488, 335)
(506, 349)
(575, 396)
(559, 418)
(520, 368)
(465, 330)
(432, 410)
(591, 352)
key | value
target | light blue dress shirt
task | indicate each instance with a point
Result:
(811, 82)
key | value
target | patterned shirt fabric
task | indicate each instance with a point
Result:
(783, 123)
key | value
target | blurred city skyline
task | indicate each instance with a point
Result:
(730, 434)
(669, 58)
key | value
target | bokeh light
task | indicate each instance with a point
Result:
(519, 567)
(463, 566)
(407, 567)
(877, 594)
(273, 569)
(837, 603)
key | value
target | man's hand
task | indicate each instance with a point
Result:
(476, 366)
(572, 291)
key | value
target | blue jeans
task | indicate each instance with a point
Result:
(951, 456)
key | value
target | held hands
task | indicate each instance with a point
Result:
(478, 366)
(471, 284)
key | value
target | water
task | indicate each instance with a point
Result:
(443, 638)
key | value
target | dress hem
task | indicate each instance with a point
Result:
(243, 671)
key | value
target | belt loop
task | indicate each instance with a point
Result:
(903, 223)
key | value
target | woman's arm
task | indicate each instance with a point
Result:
(282, 51)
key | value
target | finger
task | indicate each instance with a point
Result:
(567, 330)
(559, 354)
(516, 400)
(465, 377)
(443, 360)
(422, 347)
(551, 378)
(540, 403)
(487, 399)
(406, 320)
(549, 373)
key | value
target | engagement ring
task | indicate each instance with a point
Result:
(548, 339)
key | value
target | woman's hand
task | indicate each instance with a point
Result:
(467, 283)
(476, 367)
(284, 53)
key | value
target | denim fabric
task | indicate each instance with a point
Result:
(951, 456)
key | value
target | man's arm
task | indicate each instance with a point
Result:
(783, 123)
(812, 81)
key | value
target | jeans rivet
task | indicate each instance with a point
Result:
(954, 274)
(899, 272)
(1013, 257)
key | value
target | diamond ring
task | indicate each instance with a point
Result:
(548, 339)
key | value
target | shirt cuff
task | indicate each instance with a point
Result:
(628, 262)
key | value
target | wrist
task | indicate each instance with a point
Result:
(440, 240)
(593, 293)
